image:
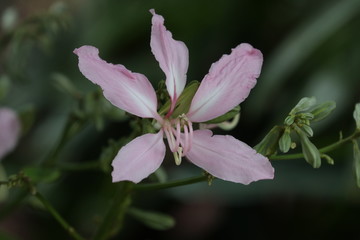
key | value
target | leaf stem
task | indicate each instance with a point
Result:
(73, 233)
(113, 219)
(325, 149)
(175, 183)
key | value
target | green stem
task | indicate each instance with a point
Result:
(325, 149)
(72, 126)
(113, 219)
(13, 204)
(58, 218)
(176, 183)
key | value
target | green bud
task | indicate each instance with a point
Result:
(303, 105)
(183, 102)
(357, 115)
(285, 141)
(310, 151)
(308, 130)
(289, 120)
(322, 110)
(268, 145)
(227, 116)
(307, 116)
(356, 162)
(152, 219)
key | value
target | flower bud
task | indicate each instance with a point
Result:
(322, 110)
(268, 145)
(285, 141)
(289, 120)
(356, 162)
(311, 153)
(308, 130)
(303, 105)
(357, 115)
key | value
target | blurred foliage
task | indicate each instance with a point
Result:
(311, 48)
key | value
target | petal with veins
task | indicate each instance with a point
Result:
(129, 91)
(228, 158)
(172, 55)
(227, 84)
(9, 131)
(139, 158)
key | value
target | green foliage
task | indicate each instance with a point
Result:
(42, 174)
(152, 219)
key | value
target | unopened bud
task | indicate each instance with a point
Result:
(322, 110)
(285, 142)
(303, 105)
(310, 151)
(357, 115)
(268, 145)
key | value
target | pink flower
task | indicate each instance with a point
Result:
(9, 131)
(227, 84)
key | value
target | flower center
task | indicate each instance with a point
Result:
(179, 133)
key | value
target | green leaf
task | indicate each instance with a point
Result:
(227, 116)
(357, 115)
(310, 151)
(268, 145)
(42, 174)
(152, 219)
(356, 162)
(322, 110)
(64, 84)
(4, 85)
(27, 118)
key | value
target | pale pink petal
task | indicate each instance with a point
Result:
(227, 84)
(129, 91)
(172, 55)
(228, 158)
(139, 158)
(9, 131)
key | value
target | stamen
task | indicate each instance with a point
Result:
(191, 134)
(170, 138)
(177, 156)
(178, 132)
(186, 142)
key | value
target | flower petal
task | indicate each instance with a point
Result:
(228, 158)
(129, 91)
(172, 55)
(9, 131)
(227, 84)
(139, 158)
